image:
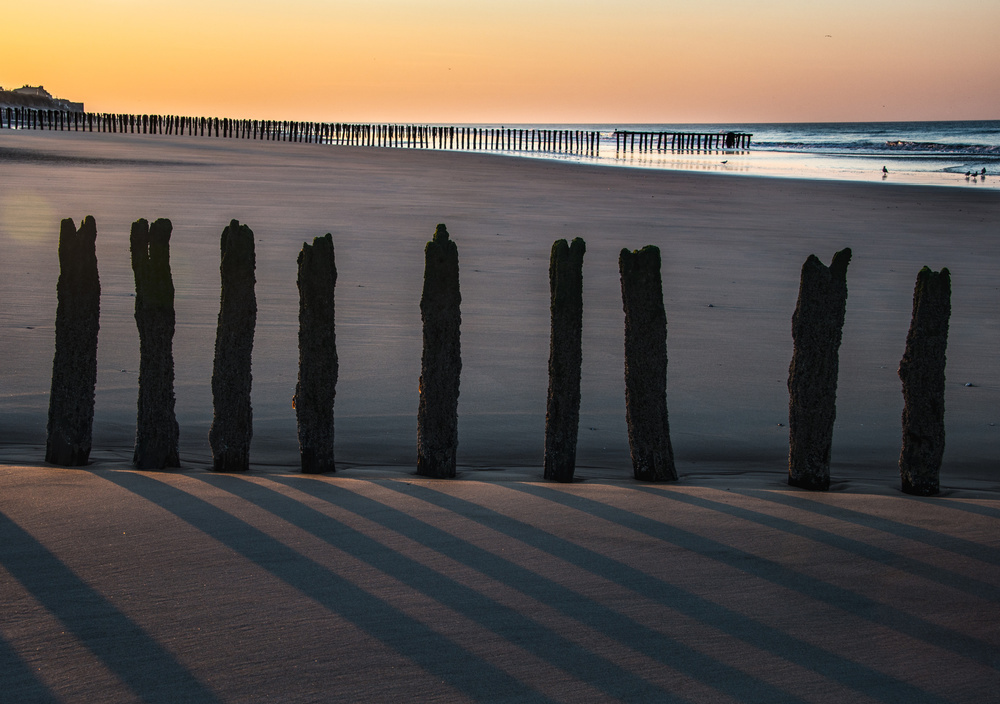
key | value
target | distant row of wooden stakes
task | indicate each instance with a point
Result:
(817, 326)
(567, 141)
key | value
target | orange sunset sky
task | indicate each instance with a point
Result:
(511, 61)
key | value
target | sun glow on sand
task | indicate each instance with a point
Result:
(513, 61)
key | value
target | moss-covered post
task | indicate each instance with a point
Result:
(232, 422)
(74, 369)
(156, 429)
(441, 363)
(817, 327)
(922, 373)
(646, 365)
(318, 365)
(562, 411)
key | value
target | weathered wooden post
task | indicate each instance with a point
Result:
(232, 422)
(922, 373)
(817, 326)
(318, 364)
(646, 365)
(441, 364)
(74, 368)
(562, 411)
(156, 430)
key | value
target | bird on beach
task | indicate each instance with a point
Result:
(885, 170)
(726, 161)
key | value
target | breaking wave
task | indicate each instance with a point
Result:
(894, 147)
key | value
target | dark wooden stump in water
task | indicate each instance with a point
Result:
(817, 327)
(646, 365)
(562, 411)
(74, 369)
(922, 373)
(232, 422)
(318, 364)
(441, 363)
(156, 430)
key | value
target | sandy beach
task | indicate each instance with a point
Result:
(372, 584)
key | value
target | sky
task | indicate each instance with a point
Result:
(513, 61)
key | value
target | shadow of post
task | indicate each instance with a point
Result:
(122, 645)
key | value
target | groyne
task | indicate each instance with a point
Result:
(817, 326)
(631, 141)
(403, 136)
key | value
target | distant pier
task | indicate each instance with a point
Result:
(479, 139)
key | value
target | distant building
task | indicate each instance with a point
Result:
(36, 97)
(33, 90)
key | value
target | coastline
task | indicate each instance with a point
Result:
(963, 154)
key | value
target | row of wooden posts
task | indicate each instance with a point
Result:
(374, 135)
(816, 331)
(629, 141)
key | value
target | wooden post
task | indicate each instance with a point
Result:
(318, 365)
(922, 373)
(232, 423)
(441, 363)
(646, 365)
(74, 367)
(562, 412)
(156, 431)
(817, 327)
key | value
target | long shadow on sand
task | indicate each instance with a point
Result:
(435, 653)
(544, 643)
(125, 648)
(888, 558)
(856, 604)
(935, 539)
(19, 680)
(851, 674)
(484, 679)
(501, 620)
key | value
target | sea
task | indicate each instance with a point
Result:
(955, 153)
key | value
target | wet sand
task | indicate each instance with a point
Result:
(371, 584)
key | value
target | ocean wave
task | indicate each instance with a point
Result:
(972, 149)
(895, 147)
